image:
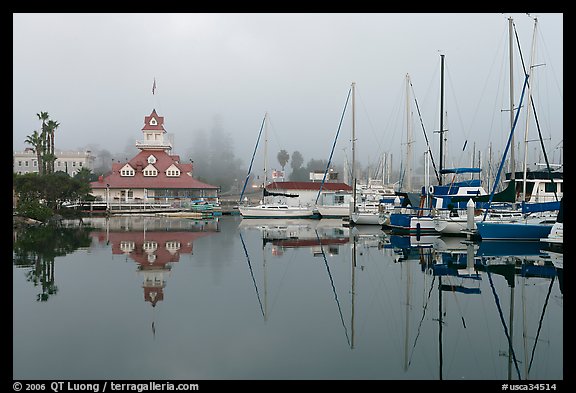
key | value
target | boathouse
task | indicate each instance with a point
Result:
(154, 178)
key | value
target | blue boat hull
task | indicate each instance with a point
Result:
(512, 231)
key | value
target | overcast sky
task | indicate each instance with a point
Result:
(93, 73)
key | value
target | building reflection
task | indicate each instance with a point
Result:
(154, 244)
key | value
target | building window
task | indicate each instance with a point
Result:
(34, 162)
(150, 172)
(25, 163)
(80, 163)
(127, 172)
(59, 163)
(73, 163)
(150, 246)
(19, 163)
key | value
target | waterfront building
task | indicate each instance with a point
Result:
(68, 161)
(154, 176)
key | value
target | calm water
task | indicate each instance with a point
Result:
(172, 298)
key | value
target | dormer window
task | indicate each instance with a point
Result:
(150, 170)
(127, 170)
(151, 159)
(173, 171)
(153, 121)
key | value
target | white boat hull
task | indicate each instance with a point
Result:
(422, 224)
(276, 211)
(451, 226)
(333, 211)
(365, 218)
(556, 235)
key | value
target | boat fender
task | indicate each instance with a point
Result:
(431, 190)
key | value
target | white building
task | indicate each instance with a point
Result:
(67, 161)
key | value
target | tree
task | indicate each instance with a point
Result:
(316, 165)
(85, 175)
(44, 136)
(283, 158)
(52, 126)
(49, 190)
(36, 142)
(297, 160)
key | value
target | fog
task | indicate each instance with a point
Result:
(94, 73)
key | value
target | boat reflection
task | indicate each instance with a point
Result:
(502, 271)
(325, 235)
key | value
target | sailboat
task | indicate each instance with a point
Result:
(555, 239)
(419, 219)
(272, 204)
(334, 203)
(532, 227)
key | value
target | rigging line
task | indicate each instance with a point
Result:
(536, 118)
(281, 282)
(559, 143)
(252, 160)
(540, 322)
(507, 147)
(368, 257)
(277, 138)
(497, 300)
(401, 175)
(333, 146)
(458, 307)
(333, 287)
(558, 85)
(370, 122)
(252, 273)
(422, 319)
(424, 131)
(390, 127)
(498, 55)
(466, 134)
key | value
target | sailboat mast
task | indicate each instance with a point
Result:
(532, 57)
(265, 150)
(441, 120)
(353, 292)
(265, 284)
(440, 323)
(354, 145)
(408, 275)
(511, 324)
(510, 46)
(408, 138)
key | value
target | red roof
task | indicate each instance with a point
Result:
(159, 122)
(163, 162)
(308, 185)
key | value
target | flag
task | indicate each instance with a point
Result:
(154, 86)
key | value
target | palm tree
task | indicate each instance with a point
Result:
(44, 135)
(35, 140)
(283, 158)
(52, 126)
